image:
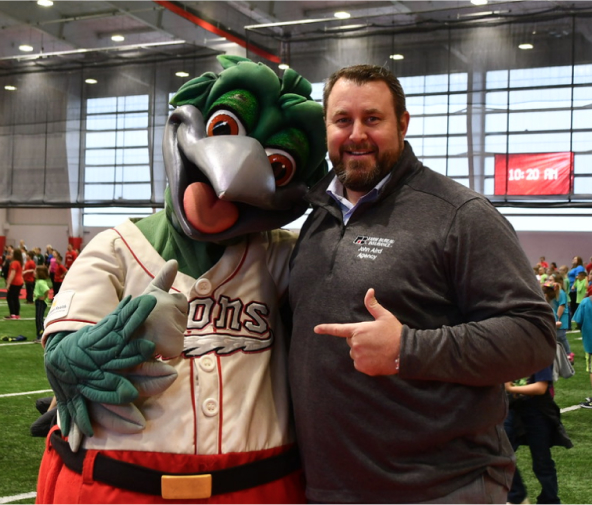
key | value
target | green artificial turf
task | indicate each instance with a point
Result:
(22, 371)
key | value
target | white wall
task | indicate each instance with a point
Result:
(556, 246)
(39, 227)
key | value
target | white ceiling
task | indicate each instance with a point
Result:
(77, 33)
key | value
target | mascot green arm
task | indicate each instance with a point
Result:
(81, 365)
(98, 371)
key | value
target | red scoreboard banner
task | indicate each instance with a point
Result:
(533, 174)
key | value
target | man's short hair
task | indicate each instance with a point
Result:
(361, 74)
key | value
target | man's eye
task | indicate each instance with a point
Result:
(282, 164)
(224, 122)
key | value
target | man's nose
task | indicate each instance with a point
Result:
(358, 131)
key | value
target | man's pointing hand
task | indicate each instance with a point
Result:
(374, 345)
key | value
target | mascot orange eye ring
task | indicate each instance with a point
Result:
(224, 122)
(283, 166)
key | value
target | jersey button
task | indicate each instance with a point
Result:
(210, 407)
(207, 363)
(204, 287)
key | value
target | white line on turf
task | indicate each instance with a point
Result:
(27, 393)
(573, 407)
(17, 497)
(19, 343)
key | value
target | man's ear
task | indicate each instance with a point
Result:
(404, 123)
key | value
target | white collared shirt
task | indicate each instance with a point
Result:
(335, 190)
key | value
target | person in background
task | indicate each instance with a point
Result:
(583, 318)
(576, 267)
(540, 274)
(557, 298)
(543, 262)
(70, 256)
(41, 295)
(563, 271)
(6, 259)
(29, 276)
(534, 420)
(14, 284)
(59, 273)
(589, 266)
(544, 275)
(49, 260)
(402, 339)
(40, 256)
(581, 287)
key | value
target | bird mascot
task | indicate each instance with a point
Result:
(165, 347)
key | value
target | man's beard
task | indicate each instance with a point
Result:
(360, 176)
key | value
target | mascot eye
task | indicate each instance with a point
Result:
(224, 122)
(283, 166)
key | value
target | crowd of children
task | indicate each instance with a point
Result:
(534, 419)
(568, 289)
(40, 274)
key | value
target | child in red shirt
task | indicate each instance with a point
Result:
(59, 273)
(14, 284)
(29, 276)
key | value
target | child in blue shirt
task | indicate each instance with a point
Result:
(557, 298)
(583, 317)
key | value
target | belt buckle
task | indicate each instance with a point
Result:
(186, 487)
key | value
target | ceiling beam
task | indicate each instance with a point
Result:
(206, 25)
(150, 17)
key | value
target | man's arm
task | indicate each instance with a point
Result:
(509, 330)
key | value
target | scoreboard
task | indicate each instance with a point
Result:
(534, 174)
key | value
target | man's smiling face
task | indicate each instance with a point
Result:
(364, 138)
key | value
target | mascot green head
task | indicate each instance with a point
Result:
(240, 150)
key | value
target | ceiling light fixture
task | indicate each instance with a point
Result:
(90, 81)
(26, 48)
(95, 50)
(45, 3)
(342, 15)
(525, 46)
(10, 87)
(479, 2)
(345, 27)
(283, 66)
(117, 38)
(182, 74)
(397, 57)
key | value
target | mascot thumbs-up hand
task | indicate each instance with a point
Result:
(166, 324)
(98, 371)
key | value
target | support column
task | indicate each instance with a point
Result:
(76, 232)
(2, 230)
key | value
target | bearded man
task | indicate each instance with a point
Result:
(403, 401)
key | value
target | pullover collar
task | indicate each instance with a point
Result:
(407, 166)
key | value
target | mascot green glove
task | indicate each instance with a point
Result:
(165, 346)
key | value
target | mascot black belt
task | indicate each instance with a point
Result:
(179, 486)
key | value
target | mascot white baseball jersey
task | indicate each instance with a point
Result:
(231, 392)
